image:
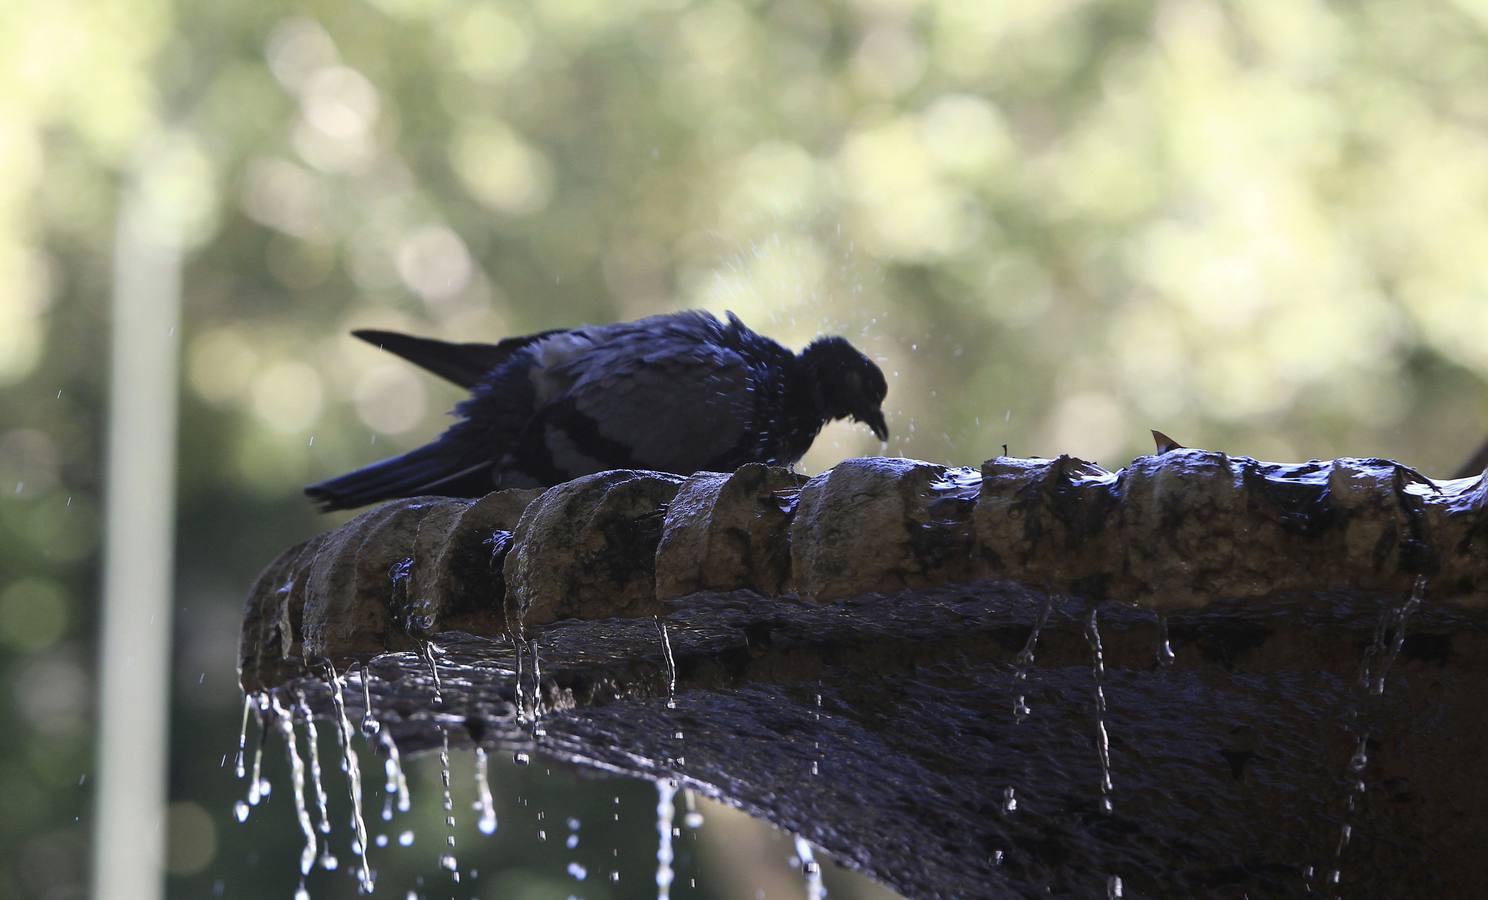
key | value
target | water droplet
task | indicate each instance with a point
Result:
(297, 783)
(353, 771)
(1164, 648)
(240, 811)
(405, 839)
(1102, 739)
(666, 791)
(811, 869)
(521, 758)
(483, 803)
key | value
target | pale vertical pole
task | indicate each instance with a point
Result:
(135, 647)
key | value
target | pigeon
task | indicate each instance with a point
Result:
(679, 393)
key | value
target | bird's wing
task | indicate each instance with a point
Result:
(667, 391)
(463, 364)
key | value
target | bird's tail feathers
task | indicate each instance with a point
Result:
(433, 469)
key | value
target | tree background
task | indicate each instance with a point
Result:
(1258, 227)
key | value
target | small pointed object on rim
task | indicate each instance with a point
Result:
(1164, 443)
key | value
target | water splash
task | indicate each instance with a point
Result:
(447, 859)
(285, 723)
(1389, 637)
(1024, 659)
(1102, 740)
(353, 780)
(666, 791)
(483, 802)
(815, 890)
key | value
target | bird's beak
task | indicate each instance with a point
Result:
(875, 421)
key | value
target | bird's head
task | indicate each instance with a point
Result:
(846, 384)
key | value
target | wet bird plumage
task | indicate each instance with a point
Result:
(679, 393)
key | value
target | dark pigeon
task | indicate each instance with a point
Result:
(676, 393)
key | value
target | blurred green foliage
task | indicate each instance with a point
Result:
(1259, 227)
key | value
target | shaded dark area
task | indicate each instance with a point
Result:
(882, 728)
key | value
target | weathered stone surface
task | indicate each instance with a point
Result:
(357, 583)
(588, 548)
(456, 579)
(727, 532)
(270, 645)
(1181, 528)
(1052, 520)
(881, 524)
(1281, 585)
(1170, 531)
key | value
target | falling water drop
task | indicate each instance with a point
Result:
(396, 783)
(447, 859)
(521, 758)
(537, 699)
(240, 764)
(297, 785)
(428, 651)
(353, 780)
(1164, 648)
(671, 664)
(240, 810)
(1009, 799)
(258, 786)
(370, 725)
(517, 645)
(317, 783)
(578, 872)
(1024, 659)
(1383, 652)
(1102, 740)
(693, 819)
(484, 803)
(1397, 636)
(815, 890)
(1113, 887)
(666, 790)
